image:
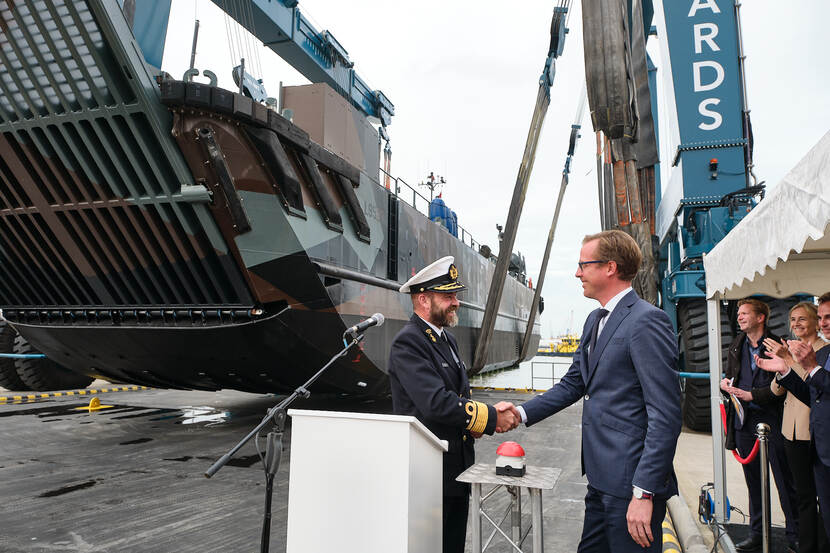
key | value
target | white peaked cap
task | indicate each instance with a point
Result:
(438, 276)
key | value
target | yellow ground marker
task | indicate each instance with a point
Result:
(670, 541)
(46, 395)
(94, 405)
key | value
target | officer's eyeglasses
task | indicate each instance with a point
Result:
(583, 263)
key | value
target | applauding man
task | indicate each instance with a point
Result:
(811, 391)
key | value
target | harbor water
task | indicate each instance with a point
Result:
(540, 373)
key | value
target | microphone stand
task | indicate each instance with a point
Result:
(273, 449)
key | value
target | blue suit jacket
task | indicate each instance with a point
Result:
(631, 412)
(816, 394)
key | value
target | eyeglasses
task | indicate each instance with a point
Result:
(583, 263)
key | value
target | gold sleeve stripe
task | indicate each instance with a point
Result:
(448, 286)
(478, 416)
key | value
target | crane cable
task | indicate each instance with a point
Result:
(241, 42)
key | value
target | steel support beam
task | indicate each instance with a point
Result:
(715, 372)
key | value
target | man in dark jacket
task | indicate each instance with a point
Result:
(811, 391)
(751, 386)
(429, 381)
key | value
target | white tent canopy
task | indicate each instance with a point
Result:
(783, 246)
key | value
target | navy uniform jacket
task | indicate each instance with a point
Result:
(816, 394)
(427, 384)
(631, 408)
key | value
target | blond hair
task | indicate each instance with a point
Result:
(758, 306)
(807, 306)
(619, 247)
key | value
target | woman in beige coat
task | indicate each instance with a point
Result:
(796, 430)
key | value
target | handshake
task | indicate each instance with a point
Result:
(508, 416)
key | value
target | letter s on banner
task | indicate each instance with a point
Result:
(717, 118)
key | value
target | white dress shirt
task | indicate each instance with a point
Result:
(609, 306)
(612, 303)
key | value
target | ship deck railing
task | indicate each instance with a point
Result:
(544, 377)
(405, 191)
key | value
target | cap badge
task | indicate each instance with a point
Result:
(453, 272)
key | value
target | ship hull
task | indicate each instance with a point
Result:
(178, 235)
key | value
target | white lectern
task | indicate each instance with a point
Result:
(363, 483)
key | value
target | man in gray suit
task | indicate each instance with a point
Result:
(625, 373)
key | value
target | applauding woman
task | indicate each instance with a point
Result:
(796, 429)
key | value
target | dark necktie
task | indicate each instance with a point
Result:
(595, 331)
(453, 367)
(447, 344)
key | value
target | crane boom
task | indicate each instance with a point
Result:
(320, 58)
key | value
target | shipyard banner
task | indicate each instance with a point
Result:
(701, 76)
(703, 49)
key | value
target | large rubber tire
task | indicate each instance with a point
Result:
(9, 378)
(696, 409)
(779, 315)
(694, 332)
(694, 340)
(43, 374)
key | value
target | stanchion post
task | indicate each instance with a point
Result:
(476, 500)
(715, 372)
(516, 514)
(763, 437)
(536, 519)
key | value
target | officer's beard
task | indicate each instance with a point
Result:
(443, 317)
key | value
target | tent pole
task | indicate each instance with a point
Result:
(715, 372)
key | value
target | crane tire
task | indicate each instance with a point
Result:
(43, 375)
(9, 379)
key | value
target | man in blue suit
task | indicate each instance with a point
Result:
(625, 373)
(815, 392)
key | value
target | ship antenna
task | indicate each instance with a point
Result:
(433, 182)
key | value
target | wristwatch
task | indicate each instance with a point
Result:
(640, 493)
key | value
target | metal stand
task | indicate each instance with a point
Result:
(535, 480)
(763, 437)
(273, 450)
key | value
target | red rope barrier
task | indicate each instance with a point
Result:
(742, 460)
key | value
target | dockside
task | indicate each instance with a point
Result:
(129, 478)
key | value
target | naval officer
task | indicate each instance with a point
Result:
(429, 381)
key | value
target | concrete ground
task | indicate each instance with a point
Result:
(693, 466)
(131, 479)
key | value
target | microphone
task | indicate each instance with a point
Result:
(375, 320)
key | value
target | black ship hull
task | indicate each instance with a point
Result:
(179, 235)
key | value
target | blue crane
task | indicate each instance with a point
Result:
(711, 185)
(280, 26)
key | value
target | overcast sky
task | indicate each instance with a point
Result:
(463, 78)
